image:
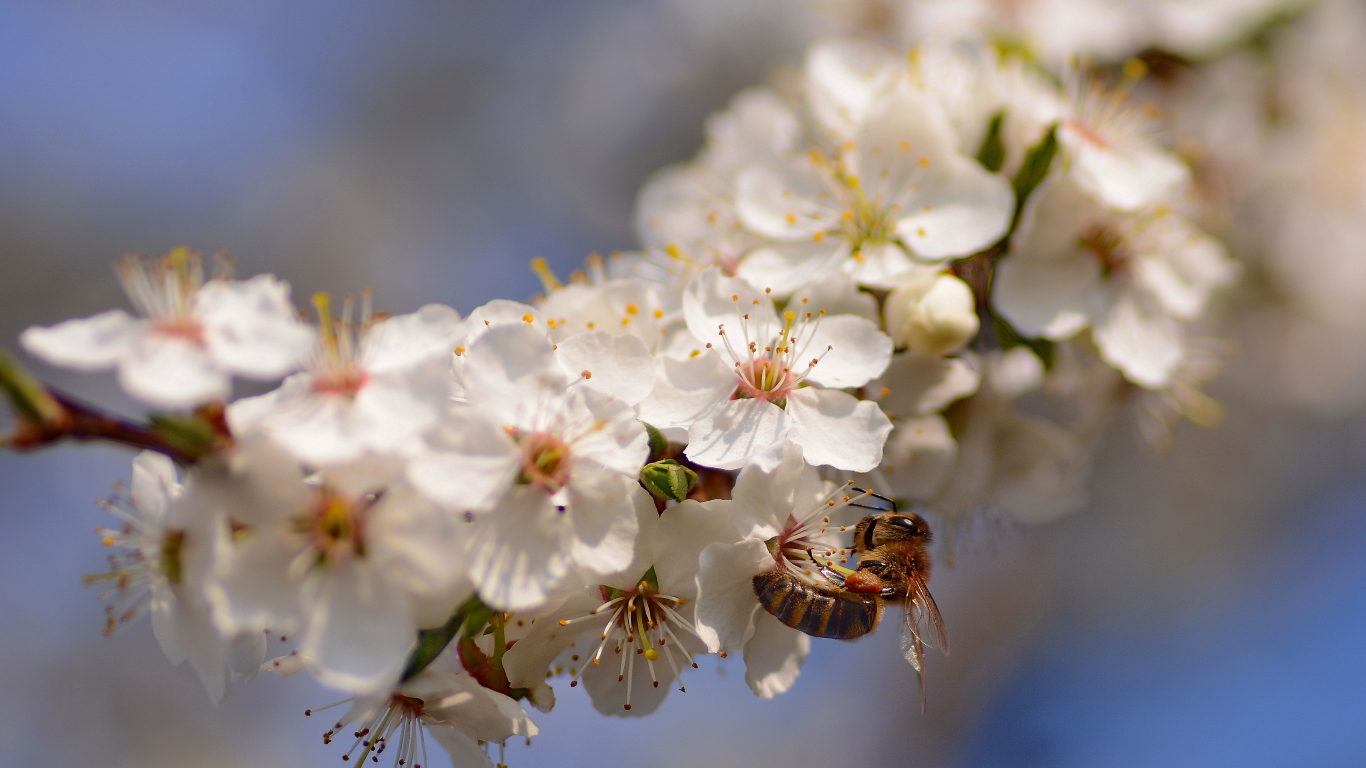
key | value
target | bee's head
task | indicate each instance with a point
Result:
(876, 530)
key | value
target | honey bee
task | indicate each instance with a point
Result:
(893, 564)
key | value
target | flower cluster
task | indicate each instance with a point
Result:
(931, 273)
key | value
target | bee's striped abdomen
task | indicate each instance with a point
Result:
(819, 613)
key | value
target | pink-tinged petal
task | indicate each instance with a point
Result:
(837, 430)
(726, 602)
(87, 344)
(172, 372)
(684, 531)
(616, 365)
(400, 343)
(459, 701)
(918, 384)
(468, 464)
(1126, 178)
(713, 300)
(785, 267)
(918, 457)
(1142, 341)
(527, 661)
(774, 656)
(852, 351)
(603, 515)
(250, 328)
(360, 627)
(685, 390)
(520, 550)
(728, 435)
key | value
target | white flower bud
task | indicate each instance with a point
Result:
(934, 316)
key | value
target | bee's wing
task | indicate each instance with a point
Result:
(921, 627)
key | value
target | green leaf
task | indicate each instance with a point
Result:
(668, 479)
(992, 155)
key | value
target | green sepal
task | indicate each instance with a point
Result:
(187, 433)
(431, 642)
(1038, 160)
(992, 155)
(659, 444)
(27, 396)
(1008, 337)
(668, 479)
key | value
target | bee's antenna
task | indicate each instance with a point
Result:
(867, 492)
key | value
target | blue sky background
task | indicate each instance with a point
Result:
(1205, 611)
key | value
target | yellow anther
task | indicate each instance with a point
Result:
(924, 162)
(1135, 70)
(528, 318)
(792, 218)
(885, 391)
(905, 146)
(632, 309)
(460, 350)
(695, 353)
(674, 251)
(548, 279)
(659, 314)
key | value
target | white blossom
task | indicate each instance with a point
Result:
(191, 338)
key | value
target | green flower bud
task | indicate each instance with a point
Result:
(668, 479)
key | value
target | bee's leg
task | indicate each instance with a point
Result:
(826, 568)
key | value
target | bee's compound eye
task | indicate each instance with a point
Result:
(911, 524)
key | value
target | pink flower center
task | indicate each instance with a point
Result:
(346, 381)
(181, 328)
(764, 379)
(546, 460)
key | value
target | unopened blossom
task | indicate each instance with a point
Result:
(936, 315)
(546, 466)
(191, 337)
(164, 551)
(760, 381)
(352, 558)
(897, 194)
(443, 701)
(631, 635)
(371, 384)
(784, 516)
(1134, 279)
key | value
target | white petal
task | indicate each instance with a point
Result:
(87, 344)
(787, 202)
(618, 366)
(837, 294)
(603, 515)
(949, 205)
(918, 457)
(508, 371)
(519, 551)
(609, 695)
(465, 752)
(726, 602)
(835, 429)
(402, 342)
(917, 384)
(172, 372)
(728, 435)
(844, 78)
(468, 465)
(1129, 178)
(526, 662)
(1041, 471)
(713, 300)
(852, 351)
(684, 531)
(251, 328)
(482, 713)
(166, 623)
(785, 267)
(1046, 297)
(757, 125)
(882, 265)
(155, 485)
(687, 389)
(774, 656)
(1142, 341)
(764, 497)
(360, 628)
(604, 432)
(419, 546)
(252, 590)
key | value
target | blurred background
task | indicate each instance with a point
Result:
(1207, 609)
